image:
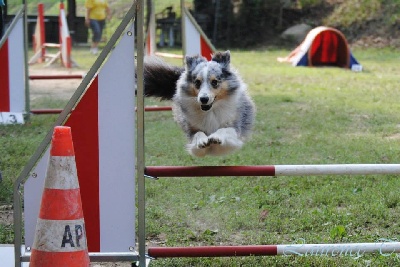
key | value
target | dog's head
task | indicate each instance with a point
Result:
(209, 81)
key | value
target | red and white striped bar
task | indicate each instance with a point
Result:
(156, 108)
(355, 250)
(58, 111)
(45, 111)
(272, 170)
(56, 77)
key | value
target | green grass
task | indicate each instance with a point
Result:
(304, 116)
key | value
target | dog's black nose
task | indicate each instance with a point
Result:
(204, 99)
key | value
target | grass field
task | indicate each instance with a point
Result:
(304, 116)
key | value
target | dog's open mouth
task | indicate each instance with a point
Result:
(206, 107)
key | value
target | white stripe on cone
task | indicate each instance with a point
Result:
(59, 178)
(69, 235)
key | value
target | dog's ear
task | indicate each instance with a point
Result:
(223, 58)
(192, 61)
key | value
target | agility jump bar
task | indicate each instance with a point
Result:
(272, 170)
(355, 250)
(56, 77)
(58, 111)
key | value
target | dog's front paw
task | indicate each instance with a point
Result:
(200, 140)
(214, 139)
(199, 145)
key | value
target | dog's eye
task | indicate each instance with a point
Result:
(214, 83)
(197, 83)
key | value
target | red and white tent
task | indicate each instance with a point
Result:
(323, 46)
(103, 132)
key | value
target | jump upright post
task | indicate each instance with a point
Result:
(39, 40)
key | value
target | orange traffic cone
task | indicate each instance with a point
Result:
(60, 238)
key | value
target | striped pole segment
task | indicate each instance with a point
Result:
(39, 37)
(58, 111)
(65, 38)
(169, 55)
(355, 250)
(272, 170)
(60, 238)
(151, 33)
(45, 111)
(56, 77)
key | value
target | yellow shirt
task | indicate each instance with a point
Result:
(97, 9)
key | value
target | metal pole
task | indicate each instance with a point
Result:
(26, 68)
(140, 156)
(17, 214)
(183, 28)
(216, 17)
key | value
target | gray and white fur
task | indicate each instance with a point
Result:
(210, 101)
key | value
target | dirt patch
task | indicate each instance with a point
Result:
(53, 88)
(6, 214)
(394, 137)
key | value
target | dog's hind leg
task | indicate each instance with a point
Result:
(224, 141)
(198, 146)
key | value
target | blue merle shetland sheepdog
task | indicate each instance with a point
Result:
(210, 101)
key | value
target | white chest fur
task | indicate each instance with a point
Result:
(221, 115)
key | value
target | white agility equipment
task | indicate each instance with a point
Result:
(94, 121)
(13, 73)
(195, 41)
(102, 119)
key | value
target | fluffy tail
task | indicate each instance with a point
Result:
(160, 78)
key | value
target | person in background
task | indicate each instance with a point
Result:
(97, 11)
(1, 18)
